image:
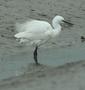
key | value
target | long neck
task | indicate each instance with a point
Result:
(55, 23)
(57, 28)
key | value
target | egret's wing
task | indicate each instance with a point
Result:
(31, 36)
(34, 31)
(34, 26)
(21, 27)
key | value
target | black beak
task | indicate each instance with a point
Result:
(71, 24)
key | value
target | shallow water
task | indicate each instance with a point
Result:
(11, 11)
(15, 65)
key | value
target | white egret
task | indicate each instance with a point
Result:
(38, 32)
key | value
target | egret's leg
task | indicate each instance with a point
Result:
(35, 55)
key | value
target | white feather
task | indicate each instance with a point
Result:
(38, 32)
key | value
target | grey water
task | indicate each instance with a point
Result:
(14, 65)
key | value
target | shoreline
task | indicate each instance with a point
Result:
(43, 73)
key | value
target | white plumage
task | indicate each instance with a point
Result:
(36, 32)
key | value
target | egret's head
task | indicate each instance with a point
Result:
(59, 20)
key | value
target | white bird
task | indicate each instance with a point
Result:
(38, 32)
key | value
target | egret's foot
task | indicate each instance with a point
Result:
(37, 64)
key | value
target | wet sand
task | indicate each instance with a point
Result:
(69, 76)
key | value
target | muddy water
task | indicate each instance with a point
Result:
(15, 65)
(13, 61)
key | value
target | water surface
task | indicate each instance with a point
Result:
(14, 65)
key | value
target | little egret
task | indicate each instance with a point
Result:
(38, 32)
